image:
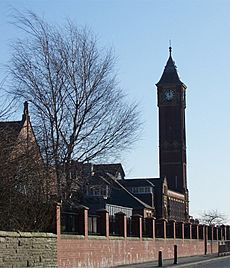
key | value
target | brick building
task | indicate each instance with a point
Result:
(165, 197)
(23, 179)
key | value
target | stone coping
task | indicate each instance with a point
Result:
(70, 236)
(113, 237)
(99, 237)
(27, 234)
(96, 237)
(133, 238)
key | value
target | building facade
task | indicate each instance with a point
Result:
(165, 197)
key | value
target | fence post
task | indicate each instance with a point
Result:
(212, 227)
(205, 240)
(58, 220)
(197, 231)
(83, 221)
(182, 229)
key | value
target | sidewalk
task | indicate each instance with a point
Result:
(182, 262)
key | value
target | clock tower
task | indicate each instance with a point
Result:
(171, 93)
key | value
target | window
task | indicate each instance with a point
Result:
(141, 190)
(98, 190)
(113, 209)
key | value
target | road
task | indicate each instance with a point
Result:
(221, 262)
(188, 262)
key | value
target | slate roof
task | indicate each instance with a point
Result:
(170, 75)
(10, 129)
(9, 132)
(155, 182)
(121, 196)
(113, 169)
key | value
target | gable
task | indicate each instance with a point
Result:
(114, 169)
(17, 138)
(9, 132)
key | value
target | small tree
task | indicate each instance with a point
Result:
(78, 108)
(213, 216)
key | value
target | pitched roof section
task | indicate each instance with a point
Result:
(140, 182)
(170, 75)
(129, 183)
(121, 195)
(9, 131)
(113, 169)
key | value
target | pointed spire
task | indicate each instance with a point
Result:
(170, 75)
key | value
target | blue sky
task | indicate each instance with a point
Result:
(139, 32)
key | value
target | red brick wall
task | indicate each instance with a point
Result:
(101, 252)
(104, 251)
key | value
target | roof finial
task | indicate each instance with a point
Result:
(170, 48)
(25, 114)
(26, 111)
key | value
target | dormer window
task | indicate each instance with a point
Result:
(97, 190)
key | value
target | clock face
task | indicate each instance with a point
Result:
(169, 94)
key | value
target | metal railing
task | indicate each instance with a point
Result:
(113, 226)
(224, 248)
(92, 225)
(144, 228)
(69, 222)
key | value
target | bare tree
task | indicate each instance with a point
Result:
(7, 103)
(80, 112)
(213, 217)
